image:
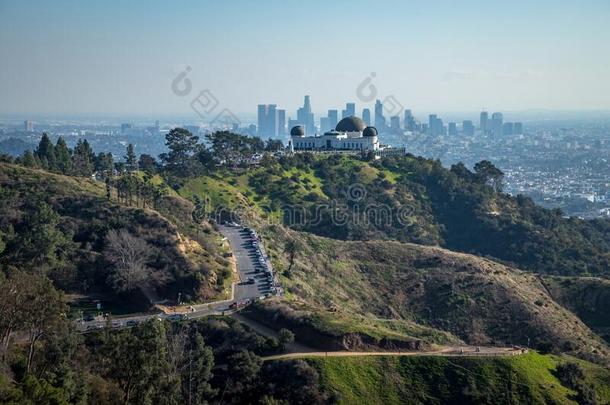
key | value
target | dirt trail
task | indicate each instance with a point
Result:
(449, 351)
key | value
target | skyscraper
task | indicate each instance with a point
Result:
(333, 118)
(350, 110)
(496, 124)
(507, 128)
(268, 120)
(28, 125)
(468, 128)
(395, 122)
(305, 117)
(452, 129)
(379, 118)
(324, 126)
(518, 128)
(281, 122)
(409, 121)
(366, 116)
(483, 122)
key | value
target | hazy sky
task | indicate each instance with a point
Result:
(120, 57)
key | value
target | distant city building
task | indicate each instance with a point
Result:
(28, 125)
(452, 129)
(125, 128)
(395, 122)
(435, 125)
(268, 120)
(468, 128)
(379, 118)
(507, 128)
(281, 122)
(333, 118)
(350, 110)
(409, 121)
(324, 124)
(496, 124)
(366, 116)
(350, 134)
(305, 116)
(518, 128)
(483, 122)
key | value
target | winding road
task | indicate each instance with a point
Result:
(248, 256)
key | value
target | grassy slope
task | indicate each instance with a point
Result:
(390, 287)
(477, 300)
(520, 379)
(84, 209)
(587, 297)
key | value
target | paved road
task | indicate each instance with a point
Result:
(449, 351)
(250, 262)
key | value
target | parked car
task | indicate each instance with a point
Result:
(250, 280)
(132, 322)
(176, 317)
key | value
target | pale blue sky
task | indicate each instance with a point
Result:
(119, 57)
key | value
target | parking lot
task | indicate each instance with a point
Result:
(255, 271)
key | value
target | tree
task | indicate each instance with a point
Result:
(198, 213)
(83, 159)
(137, 357)
(194, 364)
(147, 163)
(130, 158)
(274, 145)
(230, 148)
(28, 159)
(44, 310)
(30, 303)
(243, 368)
(46, 153)
(489, 174)
(286, 337)
(182, 145)
(291, 247)
(104, 164)
(64, 156)
(128, 255)
(40, 241)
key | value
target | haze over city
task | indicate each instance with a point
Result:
(119, 58)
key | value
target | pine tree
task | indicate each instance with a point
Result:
(131, 158)
(28, 159)
(63, 156)
(83, 159)
(46, 153)
(182, 145)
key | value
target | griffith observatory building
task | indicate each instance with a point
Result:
(350, 134)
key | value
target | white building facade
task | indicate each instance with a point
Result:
(350, 134)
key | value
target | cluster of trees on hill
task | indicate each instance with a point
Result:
(207, 361)
(457, 208)
(186, 155)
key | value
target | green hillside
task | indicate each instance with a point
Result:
(416, 200)
(528, 379)
(59, 225)
(393, 285)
